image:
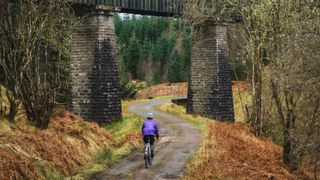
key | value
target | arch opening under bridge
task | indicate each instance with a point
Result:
(95, 82)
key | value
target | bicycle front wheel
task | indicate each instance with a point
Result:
(146, 163)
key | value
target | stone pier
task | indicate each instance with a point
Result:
(94, 70)
(210, 91)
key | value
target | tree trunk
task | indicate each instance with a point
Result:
(13, 109)
(286, 144)
(317, 161)
(1, 107)
(256, 118)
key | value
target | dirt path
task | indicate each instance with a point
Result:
(178, 140)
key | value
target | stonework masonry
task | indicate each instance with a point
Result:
(94, 70)
(210, 91)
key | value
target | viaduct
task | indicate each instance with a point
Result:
(94, 69)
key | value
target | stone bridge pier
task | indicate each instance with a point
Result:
(94, 70)
(210, 91)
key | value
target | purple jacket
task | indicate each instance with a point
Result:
(149, 127)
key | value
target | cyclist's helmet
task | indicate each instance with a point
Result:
(150, 115)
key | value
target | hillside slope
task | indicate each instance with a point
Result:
(232, 151)
(180, 89)
(68, 147)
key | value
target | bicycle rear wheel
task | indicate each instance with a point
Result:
(147, 156)
(146, 163)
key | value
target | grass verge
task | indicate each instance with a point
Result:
(180, 111)
(127, 138)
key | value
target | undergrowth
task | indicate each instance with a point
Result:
(231, 151)
(70, 148)
(240, 100)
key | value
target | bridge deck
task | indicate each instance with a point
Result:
(144, 7)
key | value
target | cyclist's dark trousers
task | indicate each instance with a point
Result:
(146, 137)
(151, 140)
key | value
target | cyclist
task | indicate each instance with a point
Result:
(149, 130)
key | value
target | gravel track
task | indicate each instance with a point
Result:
(178, 141)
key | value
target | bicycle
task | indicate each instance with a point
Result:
(147, 155)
